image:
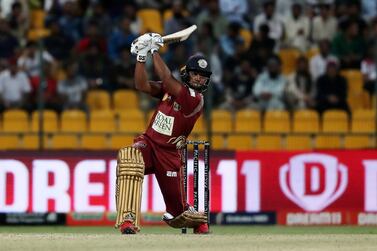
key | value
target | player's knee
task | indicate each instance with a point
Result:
(130, 162)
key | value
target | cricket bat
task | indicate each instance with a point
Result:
(179, 36)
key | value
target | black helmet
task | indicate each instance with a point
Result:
(196, 63)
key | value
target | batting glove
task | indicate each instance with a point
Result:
(157, 42)
(141, 46)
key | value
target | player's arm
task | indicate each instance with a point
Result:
(142, 83)
(171, 85)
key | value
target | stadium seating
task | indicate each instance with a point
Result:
(117, 141)
(151, 20)
(312, 52)
(221, 121)
(268, 142)
(63, 141)
(335, 121)
(218, 142)
(9, 142)
(288, 58)
(327, 142)
(357, 142)
(31, 142)
(247, 37)
(277, 121)
(200, 126)
(363, 121)
(125, 99)
(239, 142)
(131, 121)
(305, 121)
(247, 120)
(94, 141)
(15, 120)
(73, 121)
(355, 95)
(37, 25)
(298, 142)
(50, 121)
(98, 100)
(102, 121)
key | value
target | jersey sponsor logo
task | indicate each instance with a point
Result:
(163, 124)
(171, 174)
(176, 106)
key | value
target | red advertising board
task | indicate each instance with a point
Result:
(329, 187)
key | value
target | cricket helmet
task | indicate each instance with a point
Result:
(198, 64)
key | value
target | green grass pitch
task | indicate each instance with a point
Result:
(163, 238)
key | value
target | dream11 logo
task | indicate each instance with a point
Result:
(313, 181)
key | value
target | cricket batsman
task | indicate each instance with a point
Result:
(157, 150)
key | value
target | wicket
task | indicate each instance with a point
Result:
(196, 151)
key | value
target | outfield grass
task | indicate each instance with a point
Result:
(163, 238)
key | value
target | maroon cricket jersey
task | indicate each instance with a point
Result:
(175, 117)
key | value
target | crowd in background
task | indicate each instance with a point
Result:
(89, 40)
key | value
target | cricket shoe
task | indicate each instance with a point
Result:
(128, 228)
(201, 229)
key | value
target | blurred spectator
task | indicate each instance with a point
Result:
(93, 35)
(261, 48)
(6, 7)
(372, 35)
(332, 89)
(207, 45)
(57, 43)
(176, 59)
(211, 14)
(72, 90)
(324, 25)
(119, 38)
(178, 21)
(97, 14)
(18, 22)
(8, 42)
(95, 67)
(318, 63)
(70, 21)
(30, 60)
(136, 23)
(368, 69)
(231, 41)
(349, 46)
(297, 28)
(206, 39)
(50, 97)
(269, 86)
(369, 9)
(154, 4)
(284, 7)
(235, 10)
(300, 90)
(122, 73)
(239, 90)
(14, 87)
(274, 22)
(353, 13)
